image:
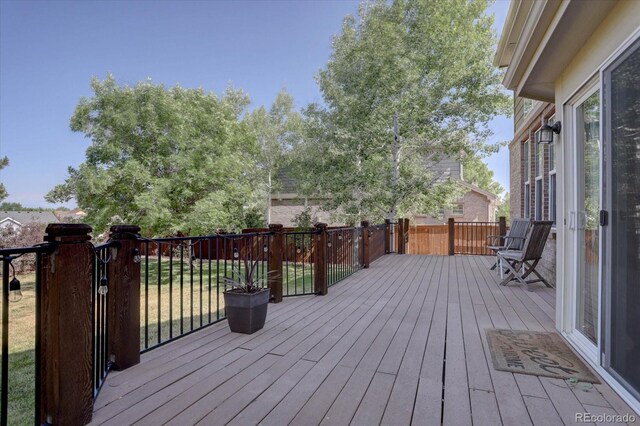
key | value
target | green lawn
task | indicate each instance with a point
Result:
(199, 297)
(22, 354)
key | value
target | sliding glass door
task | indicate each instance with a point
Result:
(621, 90)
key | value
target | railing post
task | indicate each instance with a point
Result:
(276, 249)
(502, 226)
(320, 259)
(405, 236)
(124, 306)
(452, 243)
(365, 244)
(66, 320)
(400, 237)
(387, 236)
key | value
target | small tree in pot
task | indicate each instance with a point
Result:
(245, 300)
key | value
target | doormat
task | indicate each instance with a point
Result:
(536, 353)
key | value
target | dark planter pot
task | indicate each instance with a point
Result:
(246, 312)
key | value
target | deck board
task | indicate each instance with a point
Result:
(400, 343)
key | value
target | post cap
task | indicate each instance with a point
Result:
(69, 232)
(276, 227)
(124, 232)
(364, 223)
(320, 225)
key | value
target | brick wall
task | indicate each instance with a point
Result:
(525, 131)
(476, 208)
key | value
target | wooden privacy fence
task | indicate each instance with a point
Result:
(454, 237)
(429, 239)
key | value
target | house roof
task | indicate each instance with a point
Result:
(477, 189)
(288, 183)
(540, 38)
(28, 216)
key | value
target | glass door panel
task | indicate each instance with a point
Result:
(588, 144)
(622, 190)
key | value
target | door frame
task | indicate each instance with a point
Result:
(573, 159)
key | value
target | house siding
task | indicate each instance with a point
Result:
(525, 131)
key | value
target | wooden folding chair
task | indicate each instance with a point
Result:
(521, 263)
(514, 240)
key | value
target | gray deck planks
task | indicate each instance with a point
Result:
(386, 345)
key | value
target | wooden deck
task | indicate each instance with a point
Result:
(372, 351)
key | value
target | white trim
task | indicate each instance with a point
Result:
(584, 93)
(605, 375)
(618, 51)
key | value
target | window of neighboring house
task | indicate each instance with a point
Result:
(457, 209)
(527, 182)
(539, 167)
(552, 175)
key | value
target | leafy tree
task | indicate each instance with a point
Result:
(167, 159)
(16, 207)
(476, 172)
(504, 207)
(277, 131)
(4, 162)
(409, 82)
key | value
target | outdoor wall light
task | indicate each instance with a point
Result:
(545, 135)
(14, 288)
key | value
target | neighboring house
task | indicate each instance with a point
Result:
(74, 216)
(533, 178)
(286, 205)
(17, 219)
(583, 59)
(476, 205)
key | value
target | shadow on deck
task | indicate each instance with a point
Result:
(372, 351)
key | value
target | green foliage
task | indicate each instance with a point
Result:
(168, 160)
(504, 207)
(476, 172)
(409, 82)
(276, 131)
(305, 219)
(4, 162)
(16, 207)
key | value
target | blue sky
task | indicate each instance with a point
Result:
(50, 50)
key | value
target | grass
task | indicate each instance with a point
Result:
(163, 308)
(199, 299)
(22, 354)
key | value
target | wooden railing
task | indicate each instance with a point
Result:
(454, 237)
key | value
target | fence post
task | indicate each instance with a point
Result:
(502, 225)
(365, 244)
(124, 300)
(276, 249)
(452, 243)
(320, 260)
(387, 236)
(66, 391)
(405, 236)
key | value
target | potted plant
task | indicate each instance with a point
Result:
(245, 300)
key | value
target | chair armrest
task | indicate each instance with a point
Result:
(495, 237)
